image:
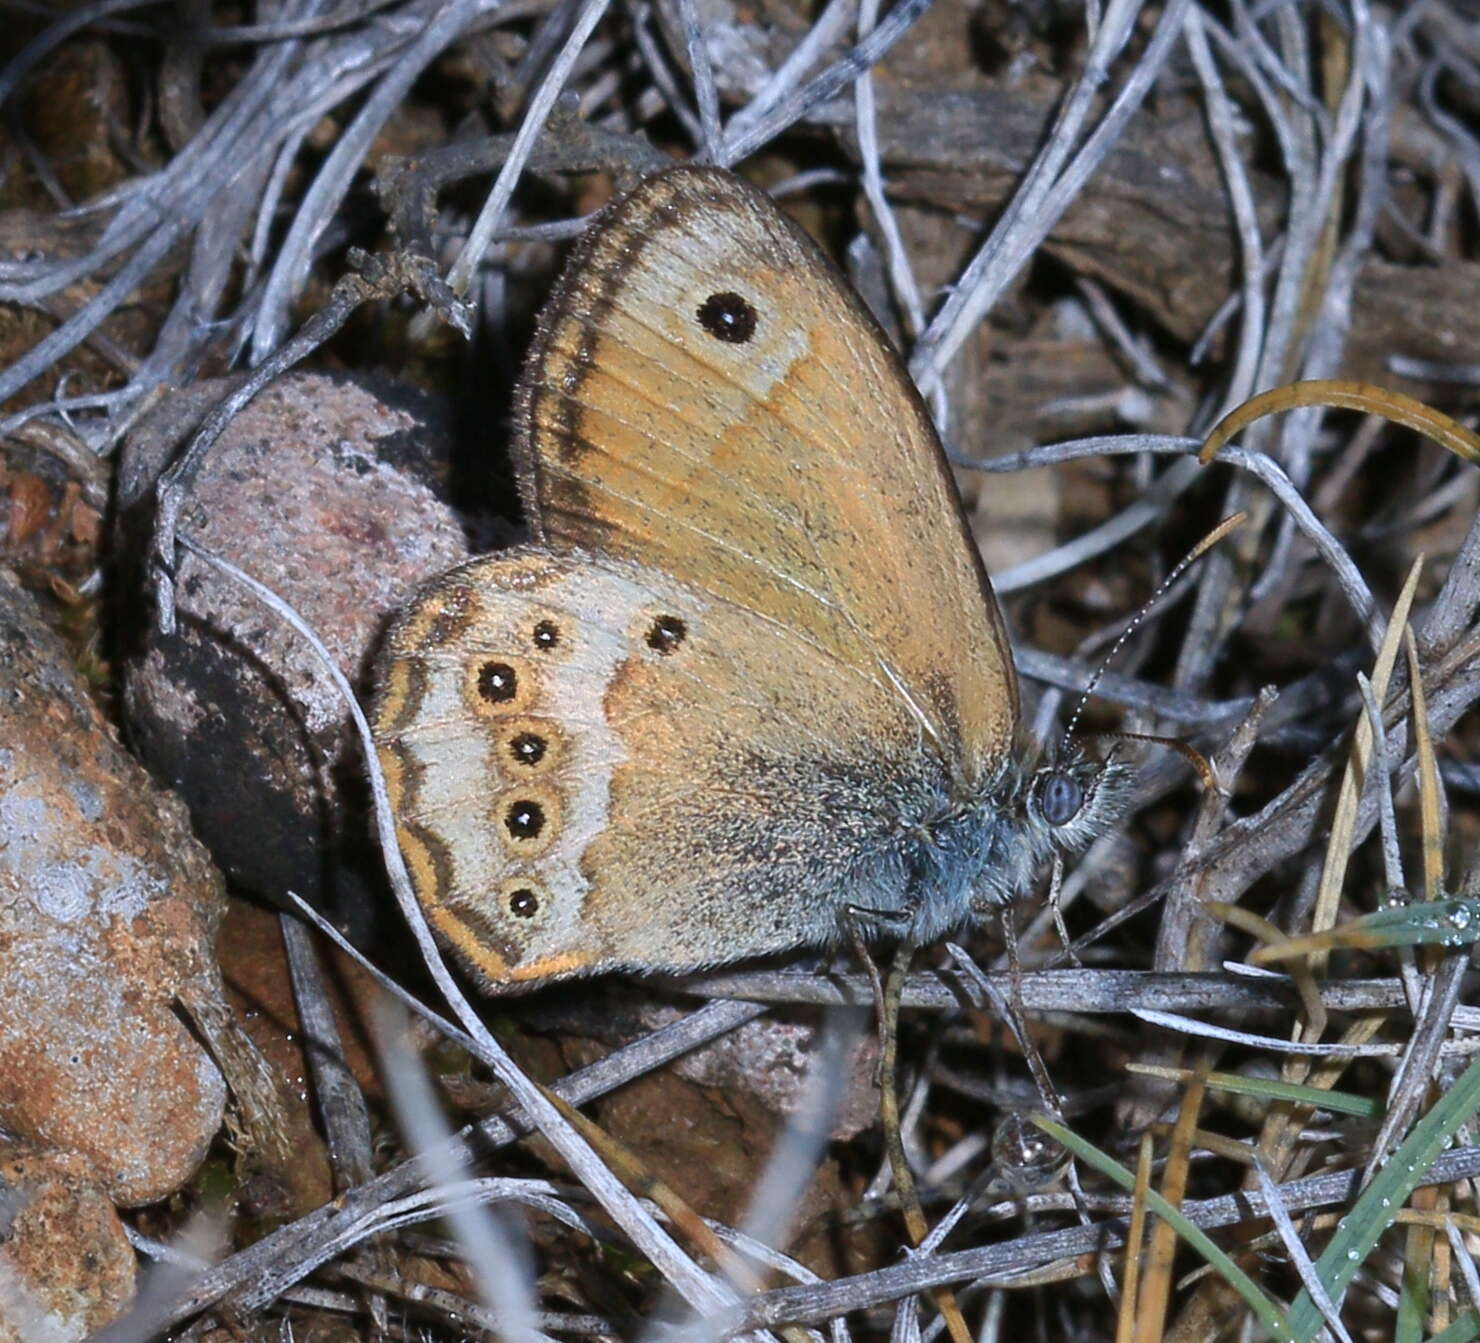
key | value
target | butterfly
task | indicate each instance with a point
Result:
(748, 680)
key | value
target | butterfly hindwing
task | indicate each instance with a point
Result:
(593, 765)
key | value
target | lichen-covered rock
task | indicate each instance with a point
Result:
(107, 907)
(331, 493)
(66, 1267)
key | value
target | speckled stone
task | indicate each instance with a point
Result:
(107, 906)
(66, 1267)
(330, 492)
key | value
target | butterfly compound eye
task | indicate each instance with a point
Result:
(1060, 798)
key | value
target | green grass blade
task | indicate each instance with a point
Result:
(1358, 1232)
(1413, 1305)
(1266, 1311)
(1269, 1088)
(1445, 923)
(1461, 1331)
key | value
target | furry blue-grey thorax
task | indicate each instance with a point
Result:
(963, 856)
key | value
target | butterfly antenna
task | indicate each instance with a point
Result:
(1186, 562)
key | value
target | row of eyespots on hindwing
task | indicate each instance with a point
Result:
(501, 690)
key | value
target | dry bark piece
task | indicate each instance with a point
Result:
(330, 493)
(1153, 222)
(108, 907)
(66, 1267)
(258, 984)
(47, 528)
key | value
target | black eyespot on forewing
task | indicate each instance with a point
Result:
(545, 635)
(728, 317)
(1060, 797)
(524, 903)
(497, 682)
(665, 634)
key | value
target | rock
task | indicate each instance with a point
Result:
(708, 1124)
(66, 1267)
(773, 1059)
(108, 907)
(330, 493)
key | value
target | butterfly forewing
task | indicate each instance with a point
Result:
(708, 398)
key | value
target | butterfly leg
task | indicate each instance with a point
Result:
(904, 1179)
(1011, 1008)
(1055, 884)
(897, 920)
(852, 921)
(888, 1080)
(1017, 1015)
